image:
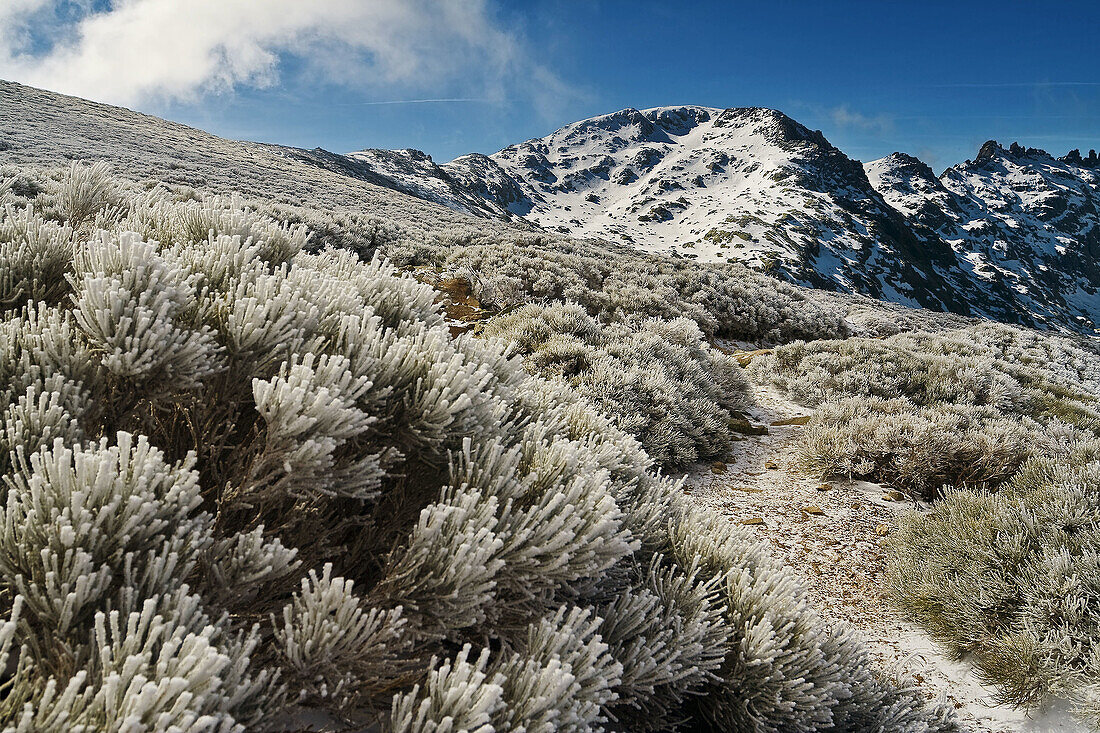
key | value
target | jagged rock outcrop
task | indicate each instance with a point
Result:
(1025, 227)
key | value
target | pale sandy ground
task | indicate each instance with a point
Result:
(830, 535)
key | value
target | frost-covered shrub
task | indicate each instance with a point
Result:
(658, 380)
(1013, 369)
(872, 318)
(243, 480)
(619, 283)
(807, 682)
(916, 448)
(1004, 569)
(37, 255)
(87, 191)
(960, 407)
(1013, 579)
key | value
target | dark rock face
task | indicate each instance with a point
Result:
(482, 176)
(1023, 223)
(1074, 158)
(990, 149)
(624, 176)
(679, 120)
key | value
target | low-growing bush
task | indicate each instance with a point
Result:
(1012, 369)
(658, 380)
(872, 318)
(962, 407)
(619, 283)
(1012, 579)
(246, 480)
(915, 448)
(1003, 567)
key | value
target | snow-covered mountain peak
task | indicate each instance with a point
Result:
(909, 185)
(901, 166)
(634, 174)
(1026, 225)
(1012, 234)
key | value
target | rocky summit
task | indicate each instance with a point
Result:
(1012, 235)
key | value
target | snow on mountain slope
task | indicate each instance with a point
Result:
(1012, 235)
(414, 172)
(1024, 225)
(750, 185)
(41, 127)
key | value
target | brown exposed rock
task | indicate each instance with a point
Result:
(743, 426)
(802, 420)
(461, 307)
(744, 357)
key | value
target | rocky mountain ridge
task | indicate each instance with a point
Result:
(1024, 226)
(1012, 235)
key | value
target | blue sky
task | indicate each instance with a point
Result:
(934, 79)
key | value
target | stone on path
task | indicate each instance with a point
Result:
(802, 420)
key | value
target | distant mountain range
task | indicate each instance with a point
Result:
(1013, 235)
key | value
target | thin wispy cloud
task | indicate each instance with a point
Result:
(1015, 84)
(134, 51)
(454, 100)
(844, 116)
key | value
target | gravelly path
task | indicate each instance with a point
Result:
(830, 534)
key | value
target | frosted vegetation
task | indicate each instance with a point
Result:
(1003, 424)
(659, 380)
(248, 475)
(616, 282)
(1012, 580)
(961, 407)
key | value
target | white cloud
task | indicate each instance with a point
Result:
(842, 116)
(137, 50)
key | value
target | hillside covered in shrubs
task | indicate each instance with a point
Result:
(959, 407)
(246, 479)
(257, 478)
(1001, 426)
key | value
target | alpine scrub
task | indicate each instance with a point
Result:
(957, 407)
(1000, 426)
(1034, 549)
(247, 480)
(659, 380)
